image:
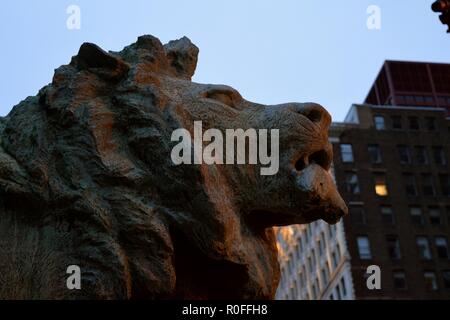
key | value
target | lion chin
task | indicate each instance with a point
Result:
(87, 180)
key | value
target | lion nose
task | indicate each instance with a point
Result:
(315, 113)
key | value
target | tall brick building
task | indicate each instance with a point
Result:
(392, 166)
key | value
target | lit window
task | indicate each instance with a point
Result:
(423, 247)
(364, 248)
(430, 280)
(380, 185)
(379, 123)
(347, 153)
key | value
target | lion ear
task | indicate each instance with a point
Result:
(182, 56)
(91, 57)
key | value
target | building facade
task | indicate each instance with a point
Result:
(315, 263)
(391, 165)
(392, 168)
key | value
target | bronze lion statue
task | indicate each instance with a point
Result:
(87, 179)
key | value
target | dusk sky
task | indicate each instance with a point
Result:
(271, 51)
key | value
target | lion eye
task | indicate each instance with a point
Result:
(224, 97)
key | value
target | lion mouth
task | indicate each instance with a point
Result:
(314, 180)
(316, 195)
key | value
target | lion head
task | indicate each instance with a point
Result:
(86, 165)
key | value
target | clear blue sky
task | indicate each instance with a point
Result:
(271, 51)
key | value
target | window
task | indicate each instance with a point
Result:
(357, 214)
(325, 275)
(331, 231)
(300, 245)
(335, 260)
(347, 153)
(423, 248)
(393, 247)
(444, 181)
(421, 155)
(404, 154)
(338, 292)
(338, 250)
(316, 288)
(351, 183)
(310, 264)
(416, 215)
(293, 297)
(430, 280)
(380, 185)
(447, 210)
(399, 278)
(323, 242)
(446, 278)
(387, 215)
(427, 185)
(344, 288)
(374, 153)
(313, 260)
(410, 100)
(304, 274)
(439, 156)
(410, 184)
(291, 262)
(441, 247)
(379, 123)
(442, 101)
(431, 123)
(435, 216)
(297, 252)
(364, 248)
(413, 123)
(396, 122)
